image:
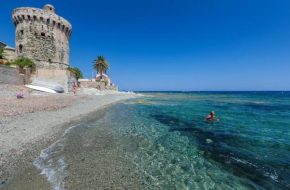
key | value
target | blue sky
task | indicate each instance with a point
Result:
(191, 45)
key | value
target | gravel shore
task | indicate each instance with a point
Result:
(33, 123)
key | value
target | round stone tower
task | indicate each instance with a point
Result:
(42, 36)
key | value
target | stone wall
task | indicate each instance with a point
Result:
(115, 88)
(9, 75)
(54, 72)
(91, 84)
(64, 78)
(10, 54)
(42, 36)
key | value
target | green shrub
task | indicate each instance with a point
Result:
(6, 64)
(23, 62)
(77, 71)
(98, 80)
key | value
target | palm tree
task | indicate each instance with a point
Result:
(101, 65)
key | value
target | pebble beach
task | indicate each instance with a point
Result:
(114, 140)
(30, 124)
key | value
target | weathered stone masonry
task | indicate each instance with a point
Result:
(10, 75)
(42, 36)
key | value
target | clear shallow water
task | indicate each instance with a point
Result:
(165, 137)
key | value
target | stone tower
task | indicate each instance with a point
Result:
(42, 36)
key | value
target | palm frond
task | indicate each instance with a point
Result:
(101, 65)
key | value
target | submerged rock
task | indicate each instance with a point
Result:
(208, 141)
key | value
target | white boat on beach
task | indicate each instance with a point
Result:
(40, 88)
(48, 84)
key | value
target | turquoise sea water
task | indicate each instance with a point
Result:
(248, 148)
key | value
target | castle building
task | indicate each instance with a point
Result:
(42, 36)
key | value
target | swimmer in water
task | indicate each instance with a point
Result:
(211, 117)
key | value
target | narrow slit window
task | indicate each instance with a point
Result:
(21, 32)
(42, 34)
(20, 48)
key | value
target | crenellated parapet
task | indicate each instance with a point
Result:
(41, 16)
(42, 36)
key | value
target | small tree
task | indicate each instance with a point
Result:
(77, 71)
(101, 65)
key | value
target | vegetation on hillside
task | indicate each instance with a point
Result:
(101, 65)
(77, 71)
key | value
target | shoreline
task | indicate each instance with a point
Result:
(23, 137)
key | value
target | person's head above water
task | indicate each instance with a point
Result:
(212, 113)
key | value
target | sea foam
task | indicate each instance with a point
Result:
(51, 162)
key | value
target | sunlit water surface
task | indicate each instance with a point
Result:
(248, 148)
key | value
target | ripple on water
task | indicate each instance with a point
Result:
(173, 148)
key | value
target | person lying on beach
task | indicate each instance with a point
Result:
(211, 116)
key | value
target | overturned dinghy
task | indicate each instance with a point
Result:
(46, 86)
(39, 88)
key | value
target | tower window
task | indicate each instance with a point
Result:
(20, 48)
(21, 32)
(43, 34)
(49, 61)
(19, 18)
